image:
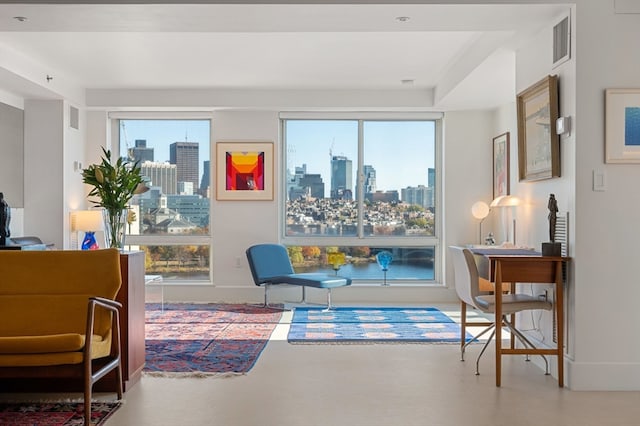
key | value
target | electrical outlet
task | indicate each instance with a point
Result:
(238, 262)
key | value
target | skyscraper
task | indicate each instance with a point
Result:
(140, 152)
(369, 179)
(185, 156)
(341, 178)
(205, 182)
(163, 175)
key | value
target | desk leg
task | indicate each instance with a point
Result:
(560, 322)
(498, 321)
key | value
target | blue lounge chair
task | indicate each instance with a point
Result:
(270, 265)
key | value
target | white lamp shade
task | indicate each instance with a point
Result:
(88, 220)
(505, 201)
(480, 210)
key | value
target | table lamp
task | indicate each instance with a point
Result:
(88, 221)
(480, 210)
(384, 258)
(507, 203)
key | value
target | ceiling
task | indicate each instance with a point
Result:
(463, 54)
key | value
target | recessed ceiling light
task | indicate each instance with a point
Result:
(20, 18)
(402, 18)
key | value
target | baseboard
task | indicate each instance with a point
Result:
(602, 376)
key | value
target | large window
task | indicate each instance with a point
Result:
(361, 186)
(170, 221)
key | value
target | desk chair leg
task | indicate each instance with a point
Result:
(484, 348)
(526, 342)
(464, 347)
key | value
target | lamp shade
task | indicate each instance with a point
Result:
(505, 201)
(88, 220)
(480, 210)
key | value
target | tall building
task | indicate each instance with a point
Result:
(341, 178)
(163, 175)
(140, 152)
(185, 155)
(206, 180)
(431, 177)
(421, 195)
(369, 174)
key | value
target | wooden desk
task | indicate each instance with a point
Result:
(525, 268)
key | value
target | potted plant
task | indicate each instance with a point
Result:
(114, 185)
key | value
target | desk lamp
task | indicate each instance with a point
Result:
(480, 210)
(88, 221)
(507, 203)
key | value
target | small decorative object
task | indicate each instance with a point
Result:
(622, 126)
(538, 141)
(552, 248)
(336, 260)
(114, 185)
(384, 259)
(490, 239)
(5, 220)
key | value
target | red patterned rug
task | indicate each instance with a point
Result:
(206, 339)
(54, 413)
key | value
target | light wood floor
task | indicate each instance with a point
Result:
(386, 385)
(369, 385)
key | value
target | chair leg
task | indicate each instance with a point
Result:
(463, 329)
(329, 306)
(526, 342)
(484, 348)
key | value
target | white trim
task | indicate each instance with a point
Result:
(160, 115)
(360, 115)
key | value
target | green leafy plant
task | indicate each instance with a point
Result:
(114, 184)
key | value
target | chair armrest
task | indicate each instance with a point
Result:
(110, 305)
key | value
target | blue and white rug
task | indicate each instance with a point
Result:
(372, 325)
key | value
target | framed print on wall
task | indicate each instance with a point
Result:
(538, 142)
(501, 165)
(244, 171)
(622, 126)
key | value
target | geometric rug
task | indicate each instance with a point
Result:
(200, 340)
(54, 413)
(372, 325)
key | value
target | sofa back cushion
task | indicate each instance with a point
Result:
(46, 292)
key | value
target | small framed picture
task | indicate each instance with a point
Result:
(501, 165)
(244, 171)
(622, 126)
(538, 141)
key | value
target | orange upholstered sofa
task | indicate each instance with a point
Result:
(58, 316)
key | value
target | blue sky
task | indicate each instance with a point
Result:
(401, 151)
(162, 133)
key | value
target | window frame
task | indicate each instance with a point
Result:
(434, 241)
(114, 119)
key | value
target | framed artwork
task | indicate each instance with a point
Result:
(244, 171)
(622, 126)
(538, 142)
(501, 165)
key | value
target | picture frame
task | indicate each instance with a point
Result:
(538, 141)
(244, 171)
(501, 174)
(622, 126)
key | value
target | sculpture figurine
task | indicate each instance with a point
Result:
(5, 219)
(553, 214)
(552, 248)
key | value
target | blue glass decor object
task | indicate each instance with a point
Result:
(89, 242)
(384, 258)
